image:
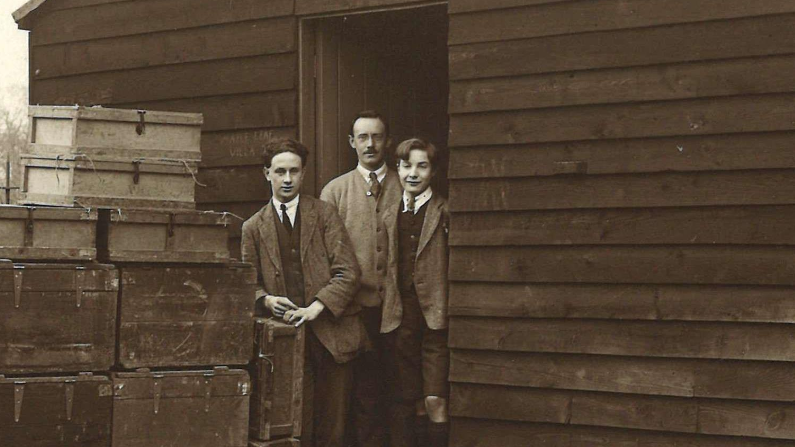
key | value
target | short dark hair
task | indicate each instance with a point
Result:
(369, 114)
(281, 145)
(404, 149)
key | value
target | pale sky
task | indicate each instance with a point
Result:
(13, 54)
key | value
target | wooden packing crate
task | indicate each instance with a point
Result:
(115, 133)
(120, 183)
(58, 234)
(57, 317)
(181, 408)
(278, 373)
(186, 316)
(153, 236)
(284, 442)
(72, 411)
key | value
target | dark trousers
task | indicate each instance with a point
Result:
(368, 414)
(327, 390)
(418, 364)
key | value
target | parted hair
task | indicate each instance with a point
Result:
(404, 149)
(369, 114)
(281, 145)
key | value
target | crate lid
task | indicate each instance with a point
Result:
(109, 114)
(146, 384)
(47, 213)
(178, 217)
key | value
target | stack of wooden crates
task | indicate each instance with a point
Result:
(123, 320)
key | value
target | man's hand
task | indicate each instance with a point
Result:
(303, 314)
(278, 305)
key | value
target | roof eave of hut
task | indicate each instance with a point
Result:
(25, 14)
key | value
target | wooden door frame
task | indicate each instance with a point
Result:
(308, 86)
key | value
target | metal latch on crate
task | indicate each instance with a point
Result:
(19, 394)
(80, 282)
(69, 388)
(170, 232)
(157, 385)
(18, 274)
(208, 391)
(140, 128)
(29, 228)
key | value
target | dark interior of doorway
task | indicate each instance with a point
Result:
(393, 61)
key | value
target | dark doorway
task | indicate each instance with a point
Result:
(393, 61)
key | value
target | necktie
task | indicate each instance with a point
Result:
(410, 204)
(375, 187)
(286, 219)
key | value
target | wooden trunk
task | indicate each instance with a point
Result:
(186, 316)
(57, 317)
(35, 234)
(118, 183)
(181, 408)
(284, 442)
(55, 411)
(163, 236)
(116, 133)
(276, 405)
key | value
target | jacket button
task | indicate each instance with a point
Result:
(277, 273)
(378, 249)
(378, 230)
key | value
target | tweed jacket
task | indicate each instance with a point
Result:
(362, 217)
(331, 273)
(430, 268)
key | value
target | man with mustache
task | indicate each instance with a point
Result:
(360, 196)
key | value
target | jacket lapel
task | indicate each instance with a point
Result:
(389, 217)
(308, 223)
(432, 216)
(268, 235)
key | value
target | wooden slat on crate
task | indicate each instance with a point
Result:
(277, 399)
(739, 341)
(57, 317)
(761, 36)
(67, 411)
(196, 408)
(35, 234)
(129, 18)
(235, 40)
(770, 304)
(186, 316)
(130, 183)
(152, 236)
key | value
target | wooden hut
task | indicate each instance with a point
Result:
(621, 176)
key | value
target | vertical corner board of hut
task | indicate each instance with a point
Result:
(156, 236)
(37, 234)
(197, 408)
(277, 379)
(55, 411)
(186, 316)
(57, 317)
(98, 132)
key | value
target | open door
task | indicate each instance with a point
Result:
(394, 61)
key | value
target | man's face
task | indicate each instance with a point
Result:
(370, 141)
(416, 172)
(285, 175)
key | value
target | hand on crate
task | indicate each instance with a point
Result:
(278, 305)
(303, 314)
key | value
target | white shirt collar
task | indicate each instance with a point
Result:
(292, 208)
(419, 201)
(380, 172)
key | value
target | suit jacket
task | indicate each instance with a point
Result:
(331, 273)
(362, 217)
(430, 268)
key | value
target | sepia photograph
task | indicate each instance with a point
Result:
(397, 223)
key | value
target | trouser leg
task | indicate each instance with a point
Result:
(331, 396)
(368, 418)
